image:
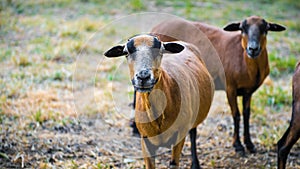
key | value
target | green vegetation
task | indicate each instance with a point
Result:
(137, 5)
(281, 65)
(274, 97)
(38, 116)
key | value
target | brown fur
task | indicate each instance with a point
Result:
(145, 40)
(131, 71)
(243, 74)
(169, 115)
(183, 30)
(228, 45)
(292, 134)
(240, 71)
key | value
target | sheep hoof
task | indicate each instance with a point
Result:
(173, 164)
(239, 149)
(195, 166)
(251, 148)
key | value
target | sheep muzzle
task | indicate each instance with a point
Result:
(144, 81)
(253, 49)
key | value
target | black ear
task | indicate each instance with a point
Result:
(116, 51)
(232, 27)
(173, 47)
(275, 27)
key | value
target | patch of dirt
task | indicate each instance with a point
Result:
(91, 142)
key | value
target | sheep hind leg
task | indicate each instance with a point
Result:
(135, 131)
(246, 114)
(176, 152)
(232, 100)
(195, 161)
(282, 151)
(285, 145)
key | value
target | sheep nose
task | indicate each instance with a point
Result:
(143, 75)
(253, 47)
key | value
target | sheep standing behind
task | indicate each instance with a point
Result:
(173, 93)
(243, 55)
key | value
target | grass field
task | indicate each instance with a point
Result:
(60, 101)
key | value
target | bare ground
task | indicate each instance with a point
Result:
(91, 142)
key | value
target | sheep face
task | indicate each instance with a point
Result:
(254, 30)
(144, 54)
(144, 59)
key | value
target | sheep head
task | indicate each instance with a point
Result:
(144, 54)
(254, 30)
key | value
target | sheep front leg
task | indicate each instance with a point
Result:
(232, 100)
(176, 152)
(148, 150)
(246, 114)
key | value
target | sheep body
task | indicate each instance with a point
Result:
(187, 94)
(173, 93)
(186, 84)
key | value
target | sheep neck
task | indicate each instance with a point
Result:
(150, 107)
(258, 68)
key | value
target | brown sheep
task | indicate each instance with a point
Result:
(244, 58)
(174, 91)
(292, 134)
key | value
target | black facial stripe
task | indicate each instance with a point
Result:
(156, 43)
(130, 46)
(244, 22)
(263, 27)
(244, 27)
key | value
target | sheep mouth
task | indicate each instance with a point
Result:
(143, 89)
(253, 54)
